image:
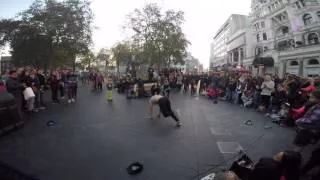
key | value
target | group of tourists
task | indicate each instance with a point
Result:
(28, 86)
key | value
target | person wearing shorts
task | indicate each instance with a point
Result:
(165, 107)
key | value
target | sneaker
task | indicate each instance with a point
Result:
(73, 100)
(179, 124)
(62, 97)
(69, 101)
(42, 108)
(35, 110)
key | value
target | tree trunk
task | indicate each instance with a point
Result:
(118, 66)
(73, 63)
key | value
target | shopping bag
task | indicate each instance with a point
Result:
(28, 93)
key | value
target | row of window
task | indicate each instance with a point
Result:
(310, 62)
(311, 39)
(259, 25)
(275, 5)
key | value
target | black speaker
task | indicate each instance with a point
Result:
(9, 113)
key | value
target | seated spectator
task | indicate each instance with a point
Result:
(313, 162)
(311, 119)
(2, 87)
(309, 89)
(279, 97)
(284, 165)
(226, 176)
(247, 98)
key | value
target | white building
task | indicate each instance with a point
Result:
(219, 47)
(285, 36)
(191, 65)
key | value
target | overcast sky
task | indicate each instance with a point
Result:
(203, 19)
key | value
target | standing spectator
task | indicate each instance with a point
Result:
(267, 88)
(42, 84)
(15, 88)
(166, 88)
(99, 81)
(62, 78)
(35, 85)
(26, 81)
(54, 84)
(71, 87)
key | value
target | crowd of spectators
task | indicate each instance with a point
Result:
(62, 84)
(283, 100)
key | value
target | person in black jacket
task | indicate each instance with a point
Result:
(15, 88)
(54, 84)
(42, 83)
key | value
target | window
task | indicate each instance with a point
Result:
(263, 25)
(318, 14)
(258, 38)
(302, 2)
(241, 54)
(307, 19)
(313, 38)
(258, 50)
(265, 36)
(298, 6)
(285, 30)
(313, 62)
(294, 63)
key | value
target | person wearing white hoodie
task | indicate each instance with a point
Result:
(267, 88)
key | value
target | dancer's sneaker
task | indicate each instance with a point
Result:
(179, 124)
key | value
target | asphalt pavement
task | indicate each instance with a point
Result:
(94, 139)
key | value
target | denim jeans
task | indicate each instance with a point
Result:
(229, 95)
(256, 99)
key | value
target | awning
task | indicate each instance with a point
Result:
(265, 61)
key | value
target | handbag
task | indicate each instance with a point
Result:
(28, 93)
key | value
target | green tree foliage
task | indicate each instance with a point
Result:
(49, 32)
(87, 60)
(159, 34)
(121, 54)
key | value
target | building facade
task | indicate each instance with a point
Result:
(220, 52)
(285, 36)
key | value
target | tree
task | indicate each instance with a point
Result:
(87, 60)
(121, 54)
(63, 27)
(159, 34)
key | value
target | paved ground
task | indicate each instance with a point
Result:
(94, 139)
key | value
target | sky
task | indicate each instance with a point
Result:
(203, 18)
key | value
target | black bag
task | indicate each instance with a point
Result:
(10, 117)
(242, 167)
